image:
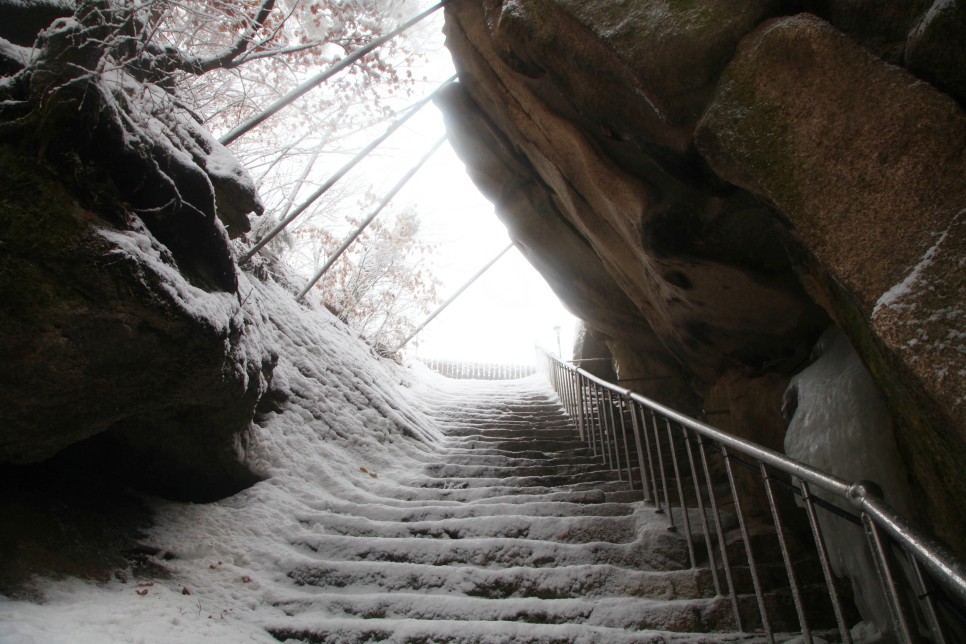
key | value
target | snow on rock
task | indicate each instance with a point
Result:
(342, 410)
(908, 285)
(343, 527)
(107, 336)
(930, 16)
(840, 425)
(13, 55)
(216, 309)
(121, 139)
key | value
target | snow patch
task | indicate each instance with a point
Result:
(912, 282)
(938, 7)
(340, 450)
(216, 309)
(841, 426)
(22, 55)
(312, 448)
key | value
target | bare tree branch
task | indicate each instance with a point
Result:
(198, 65)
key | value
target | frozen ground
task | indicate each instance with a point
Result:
(346, 410)
(422, 505)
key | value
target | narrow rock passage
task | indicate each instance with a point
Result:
(507, 530)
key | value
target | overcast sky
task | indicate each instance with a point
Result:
(508, 310)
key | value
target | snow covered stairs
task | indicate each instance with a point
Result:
(508, 531)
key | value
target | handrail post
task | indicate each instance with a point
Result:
(712, 563)
(660, 466)
(719, 530)
(578, 383)
(614, 461)
(749, 551)
(823, 558)
(636, 426)
(936, 576)
(786, 556)
(575, 401)
(927, 597)
(880, 556)
(592, 410)
(627, 451)
(601, 424)
(685, 519)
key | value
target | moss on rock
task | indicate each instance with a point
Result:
(97, 346)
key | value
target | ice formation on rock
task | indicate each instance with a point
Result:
(841, 425)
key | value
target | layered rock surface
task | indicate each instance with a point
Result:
(124, 337)
(107, 347)
(711, 184)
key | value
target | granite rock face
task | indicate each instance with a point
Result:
(872, 184)
(108, 348)
(124, 343)
(710, 184)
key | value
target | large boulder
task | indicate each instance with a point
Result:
(704, 271)
(742, 179)
(107, 345)
(125, 342)
(563, 256)
(867, 164)
(936, 48)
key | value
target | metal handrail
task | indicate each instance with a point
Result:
(600, 408)
(457, 369)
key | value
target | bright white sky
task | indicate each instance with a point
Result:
(509, 309)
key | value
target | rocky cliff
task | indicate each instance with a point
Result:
(125, 341)
(711, 184)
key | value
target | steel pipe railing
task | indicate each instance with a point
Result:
(459, 370)
(922, 583)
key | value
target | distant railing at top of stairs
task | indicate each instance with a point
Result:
(922, 582)
(479, 370)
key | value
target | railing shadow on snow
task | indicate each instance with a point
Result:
(688, 471)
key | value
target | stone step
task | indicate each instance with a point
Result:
(628, 613)
(567, 582)
(590, 476)
(654, 549)
(410, 497)
(478, 449)
(602, 480)
(473, 457)
(431, 512)
(625, 495)
(328, 630)
(498, 409)
(523, 430)
(512, 445)
(456, 470)
(539, 417)
(558, 529)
